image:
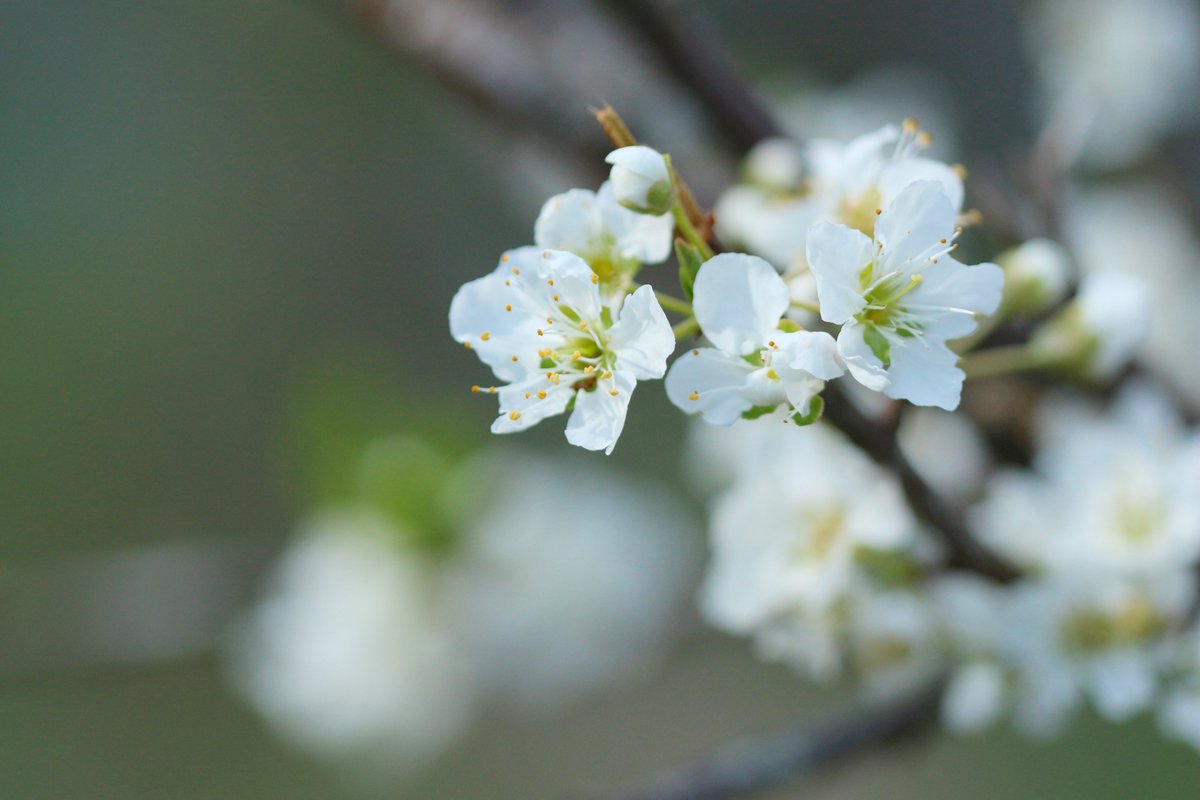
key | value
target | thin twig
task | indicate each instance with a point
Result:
(760, 763)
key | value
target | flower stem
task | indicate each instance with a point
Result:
(686, 328)
(800, 304)
(1003, 361)
(693, 237)
(673, 303)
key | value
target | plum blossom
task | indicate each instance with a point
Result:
(900, 295)
(739, 301)
(801, 543)
(609, 237)
(641, 179)
(539, 322)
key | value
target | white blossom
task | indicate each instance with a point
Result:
(799, 541)
(641, 179)
(609, 237)
(738, 302)
(947, 449)
(1101, 330)
(557, 606)
(352, 651)
(900, 295)
(539, 322)
(1037, 275)
(1109, 494)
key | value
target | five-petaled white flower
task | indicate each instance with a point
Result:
(641, 179)
(609, 237)
(900, 296)
(738, 301)
(538, 321)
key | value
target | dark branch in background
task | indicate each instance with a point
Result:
(755, 764)
(690, 49)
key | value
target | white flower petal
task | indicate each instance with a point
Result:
(738, 301)
(522, 408)
(599, 415)
(571, 221)
(478, 317)
(862, 363)
(641, 237)
(567, 276)
(837, 255)
(974, 697)
(715, 379)
(915, 221)
(924, 373)
(899, 174)
(642, 338)
(814, 352)
(949, 290)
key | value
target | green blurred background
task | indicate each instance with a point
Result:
(211, 213)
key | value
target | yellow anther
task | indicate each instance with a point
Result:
(544, 352)
(556, 298)
(695, 352)
(959, 170)
(613, 392)
(607, 375)
(514, 415)
(508, 307)
(541, 394)
(516, 271)
(528, 395)
(491, 390)
(545, 254)
(540, 332)
(504, 258)
(771, 343)
(576, 355)
(583, 324)
(910, 125)
(589, 369)
(507, 282)
(772, 375)
(485, 336)
(514, 358)
(693, 396)
(467, 345)
(475, 389)
(878, 211)
(550, 282)
(595, 278)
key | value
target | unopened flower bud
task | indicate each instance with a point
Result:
(1102, 329)
(1036, 276)
(641, 180)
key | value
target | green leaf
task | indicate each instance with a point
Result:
(879, 344)
(816, 407)
(757, 411)
(689, 259)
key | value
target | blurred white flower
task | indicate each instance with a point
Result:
(1037, 274)
(739, 301)
(641, 180)
(1110, 493)
(1141, 230)
(554, 606)
(351, 652)
(1101, 330)
(609, 237)
(1117, 75)
(539, 322)
(900, 295)
(799, 541)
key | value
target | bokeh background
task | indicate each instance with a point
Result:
(217, 217)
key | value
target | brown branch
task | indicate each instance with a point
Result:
(690, 49)
(755, 764)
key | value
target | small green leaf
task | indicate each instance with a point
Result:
(757, 411)
(816, 407)
(879, 344)
(689, 259)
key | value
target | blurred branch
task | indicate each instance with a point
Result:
(755, 764)
(691, 50)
